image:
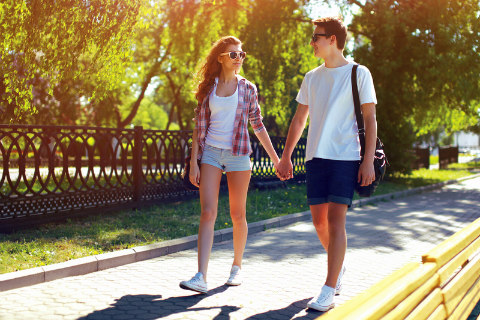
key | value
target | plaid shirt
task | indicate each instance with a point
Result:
(248, 109)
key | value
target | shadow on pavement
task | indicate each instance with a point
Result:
(288, 312)
(153, 307)
(428, 216)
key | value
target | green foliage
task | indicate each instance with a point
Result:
(169, 41)
(279, 55)
(425, 62)
(51, 40)
(115, 63)
(152, 116)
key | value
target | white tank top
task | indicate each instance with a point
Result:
(222, 119)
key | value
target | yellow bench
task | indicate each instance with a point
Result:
(445, 285)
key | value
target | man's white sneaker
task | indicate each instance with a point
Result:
(235, 277)
(195, 284)
(338, 287)
(324, 301)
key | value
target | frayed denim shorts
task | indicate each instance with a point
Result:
(331, 181)
(225, 160)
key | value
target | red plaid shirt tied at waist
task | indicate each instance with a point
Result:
(247, 110)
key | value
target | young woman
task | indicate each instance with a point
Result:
(226, 102)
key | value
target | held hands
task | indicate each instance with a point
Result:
(284, 169)
(194, 174)
(366, 173)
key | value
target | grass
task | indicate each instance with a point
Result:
(464, 166)
(53, 243)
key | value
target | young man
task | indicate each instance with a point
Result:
(333, 147)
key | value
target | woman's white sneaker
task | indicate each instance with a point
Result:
(195, 284)
(235, 277)
(324, 301)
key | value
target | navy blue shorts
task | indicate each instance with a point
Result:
(331, 181)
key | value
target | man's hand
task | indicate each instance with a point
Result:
(284, 169)
(366, 173)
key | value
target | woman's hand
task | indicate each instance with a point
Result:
(194, 173)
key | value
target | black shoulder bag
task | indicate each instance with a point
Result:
(380, 159)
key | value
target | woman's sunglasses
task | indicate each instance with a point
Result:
(234, 54)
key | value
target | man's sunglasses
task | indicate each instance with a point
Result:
(234, 54)
(315, 35)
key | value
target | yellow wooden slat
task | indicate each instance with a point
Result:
(446, 250)
(447, 270)
(402, 310)
(427, 306)
(439, 314)
(468, 302)
(381, 298)
(455, 290)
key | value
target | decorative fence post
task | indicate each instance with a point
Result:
(137, 166)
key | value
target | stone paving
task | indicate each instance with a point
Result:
(283, 268)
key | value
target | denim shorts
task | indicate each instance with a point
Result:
(224, 160)
(331, 181)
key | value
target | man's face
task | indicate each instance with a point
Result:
(322, 45)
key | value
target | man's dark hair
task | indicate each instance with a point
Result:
(333, 26)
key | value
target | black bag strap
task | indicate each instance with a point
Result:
(358, 111)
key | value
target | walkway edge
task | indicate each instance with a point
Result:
(81, 266)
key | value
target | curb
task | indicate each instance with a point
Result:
(82, 266)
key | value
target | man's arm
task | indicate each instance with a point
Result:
(366, 172)
(285, 167)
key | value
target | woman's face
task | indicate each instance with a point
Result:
(229, 64)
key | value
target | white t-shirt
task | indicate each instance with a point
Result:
(333, 131)
(222, 119)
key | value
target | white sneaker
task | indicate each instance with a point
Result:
(195, 284)
(235, 277)
(324, 301)
(338, 287)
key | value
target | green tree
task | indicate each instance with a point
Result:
(165, 60)
(180, 34)
(425, 60)
(277, 37)
(56, 40)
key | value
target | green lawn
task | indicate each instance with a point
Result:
(55, 243)
(464, 166)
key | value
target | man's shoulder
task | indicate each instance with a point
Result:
(313, 74)
(363, 70)
(315, 70)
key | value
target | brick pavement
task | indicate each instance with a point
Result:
(283, 268)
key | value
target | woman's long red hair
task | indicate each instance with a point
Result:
(211, 68)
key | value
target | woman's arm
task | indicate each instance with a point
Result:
(267, 145)
(255, 117)
(194, 169)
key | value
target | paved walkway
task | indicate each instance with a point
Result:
(284, 268)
